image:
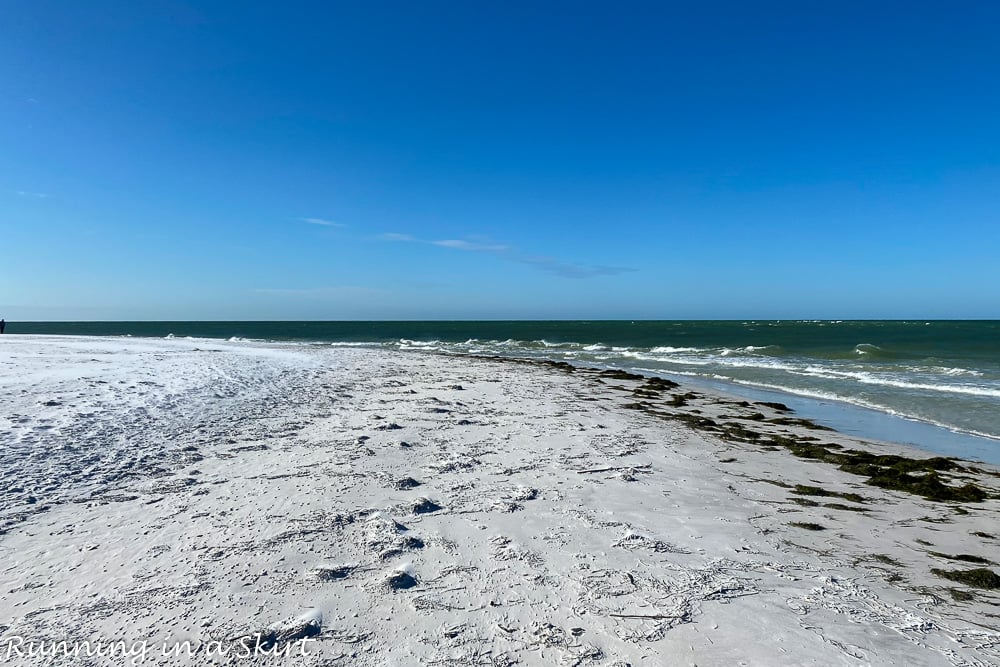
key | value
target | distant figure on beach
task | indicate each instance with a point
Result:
(3, 325)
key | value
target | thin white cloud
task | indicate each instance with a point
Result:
(318, 292)
(570, 270)
(322, 222)
(469, 245)
(33, 195)
(550, 265)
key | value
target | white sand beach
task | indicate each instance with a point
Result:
(367, 507)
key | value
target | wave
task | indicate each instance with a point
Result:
(945, 370)
(749, 349)
(666, 349)
(853, 400)
(748, 357)
(970, 390)
(868, 378)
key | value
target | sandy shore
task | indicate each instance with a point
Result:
(363, 507)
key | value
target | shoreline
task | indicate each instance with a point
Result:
(842, 414)
(867, 422)
(943, 373)
(411, 508)
(652, 386)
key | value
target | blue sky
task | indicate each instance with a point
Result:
(231, 160)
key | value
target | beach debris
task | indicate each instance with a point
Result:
(401, 578)
(647, 467)
(506, 506)
(547, 634)
(307, 625)
(647, 616)
(636, 540)
(523, 493)
(455, 465)
(332, 572)
(452, 631)
(425, 505)
(406, 483)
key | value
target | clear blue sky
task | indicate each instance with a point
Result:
(287, 160)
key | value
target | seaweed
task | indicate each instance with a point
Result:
(616, 374)
(703, 423)
(847, 508)
(967, 558)
(781, 407)
(561, 365)
(807, 525)
(958, 595)
(980, 577)
(928, 485)
(898, 473)
(680, 400)
(659, 384)
(734, 431)
(890, 471)
(886, 560)
(804, 490)
(645, 393)
(805, 423)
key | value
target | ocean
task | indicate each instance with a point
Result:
(939, 374)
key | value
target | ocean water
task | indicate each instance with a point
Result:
(940, 373)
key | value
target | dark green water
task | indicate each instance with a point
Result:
(945, 373)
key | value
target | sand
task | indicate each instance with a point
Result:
(353, 506)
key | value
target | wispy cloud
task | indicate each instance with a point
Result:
(550, 265)
(33, 195)
(318, 292)
(469, 245)
(322, 222)
(391, 236)
(570, 270)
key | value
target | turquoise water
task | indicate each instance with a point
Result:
(944, 373)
